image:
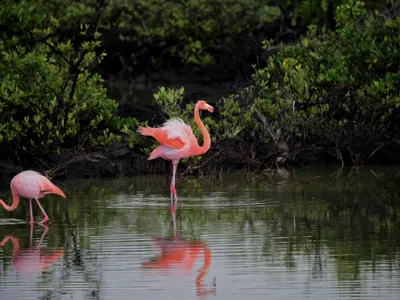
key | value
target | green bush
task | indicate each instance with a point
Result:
(338, 89)
(51, 100)
(149, 35)
(186, 33)
(333, 92)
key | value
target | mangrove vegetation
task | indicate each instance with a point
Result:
(314, 82)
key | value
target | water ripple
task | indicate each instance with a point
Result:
(230, 241)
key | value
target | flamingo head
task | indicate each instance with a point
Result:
(204, 106)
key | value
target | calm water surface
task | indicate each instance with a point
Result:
(320, 235)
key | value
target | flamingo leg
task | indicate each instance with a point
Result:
(174, 198)
(172, 186)
(46, 218)
(32, 221)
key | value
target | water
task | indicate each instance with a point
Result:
(321, 235)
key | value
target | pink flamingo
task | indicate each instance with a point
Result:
(178, 141)
(31, 185)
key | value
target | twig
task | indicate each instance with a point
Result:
(379, 148)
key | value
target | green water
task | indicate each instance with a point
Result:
(323, 234)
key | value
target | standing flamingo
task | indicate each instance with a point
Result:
(31, 185)
(178, 141)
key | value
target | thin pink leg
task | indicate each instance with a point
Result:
(46, 218)
(176, 199)
(172, 186)
(31, 222)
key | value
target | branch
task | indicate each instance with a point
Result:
(266, 125)
(57, 52)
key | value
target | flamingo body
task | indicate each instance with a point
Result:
(31, 185)
(178, 141)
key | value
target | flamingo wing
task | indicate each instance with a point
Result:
(27, 183)
(34, 180)
(174, 134)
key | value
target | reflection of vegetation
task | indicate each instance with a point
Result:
(350, 218)
(73, 221)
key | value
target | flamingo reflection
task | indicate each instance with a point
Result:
(33, 260)
(182, 254)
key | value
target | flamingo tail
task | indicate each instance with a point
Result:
(145, 130)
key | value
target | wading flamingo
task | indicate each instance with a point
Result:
(31, 185)
(178, 141)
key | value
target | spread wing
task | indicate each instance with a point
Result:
(174, 134)
(177, 129)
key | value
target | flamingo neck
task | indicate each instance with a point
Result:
(15, 203)
(15, 244)
(206, 136)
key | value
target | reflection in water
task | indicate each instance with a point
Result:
(318, 235)
(34, 260)
(177, 253)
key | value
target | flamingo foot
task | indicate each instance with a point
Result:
(172, 189)
(31, 222)
(44, 220)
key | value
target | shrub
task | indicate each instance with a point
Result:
(333, 92)
(51, 100)
(339, 86)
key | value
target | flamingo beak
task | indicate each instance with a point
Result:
(210, 108)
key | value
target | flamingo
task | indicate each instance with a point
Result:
(32, 185)
(178, 141)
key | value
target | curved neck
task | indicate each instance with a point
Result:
(15, 203)
(204, 132)
(15, 244)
